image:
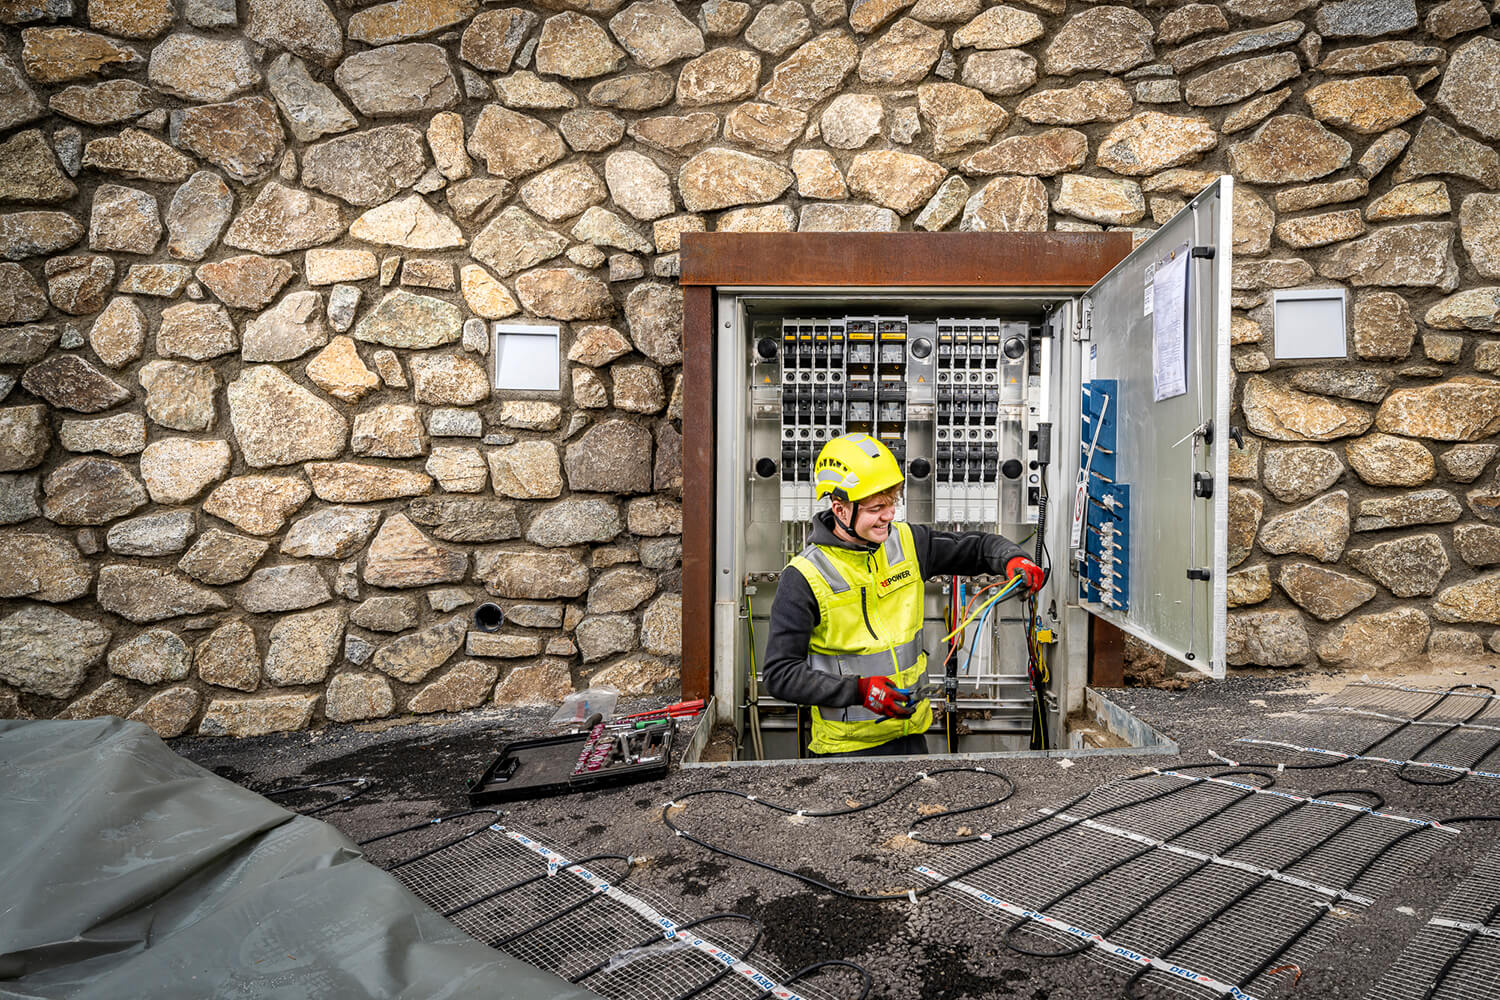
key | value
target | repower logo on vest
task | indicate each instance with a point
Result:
(895, 578)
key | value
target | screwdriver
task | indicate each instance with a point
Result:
(680, 708)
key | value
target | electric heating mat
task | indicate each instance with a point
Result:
(1193, 884)
(1432, 736)
(1456, 955)
(581, 919)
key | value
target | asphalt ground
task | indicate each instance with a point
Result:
(937, 948)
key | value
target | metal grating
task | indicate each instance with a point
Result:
(1204, 885)
(583, 921)
(1432, 736)
(1456, 956)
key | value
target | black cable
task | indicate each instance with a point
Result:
(1451, 777)
(1039, 739)
(818, 883)
(1318, 913)
(713, 981)
(1161, 893)
(361, 786)
(440, 847)
(539, 876)
(630, 864)
(1448, 965)
(1478, 818)
(497, 813)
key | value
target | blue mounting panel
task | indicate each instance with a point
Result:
(1104, 577)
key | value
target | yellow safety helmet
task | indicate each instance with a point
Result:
(854, 466)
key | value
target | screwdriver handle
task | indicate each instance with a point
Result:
(680, 708)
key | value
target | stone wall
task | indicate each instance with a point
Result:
(252, 474)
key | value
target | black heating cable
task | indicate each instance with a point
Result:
(1413, 762)
(933, 886)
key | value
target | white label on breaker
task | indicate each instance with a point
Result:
(1150, 285)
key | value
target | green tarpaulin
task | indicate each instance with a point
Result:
(126, 871)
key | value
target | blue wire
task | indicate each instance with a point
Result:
(979, 627)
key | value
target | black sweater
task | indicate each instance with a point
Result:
(794, 613)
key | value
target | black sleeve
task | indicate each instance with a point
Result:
(965, 553)
(785, 673)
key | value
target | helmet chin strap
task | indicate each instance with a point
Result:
(849, 527)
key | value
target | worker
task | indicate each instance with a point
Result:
(846, 625)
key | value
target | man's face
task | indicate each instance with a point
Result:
(873, 522)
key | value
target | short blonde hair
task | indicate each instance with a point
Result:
(892, 495)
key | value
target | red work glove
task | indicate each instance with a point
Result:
(884, 698)
(1028, 569)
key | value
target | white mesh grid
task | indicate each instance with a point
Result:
(605, 928)
(1451, 729)
(1453, 963)
(1253, 894)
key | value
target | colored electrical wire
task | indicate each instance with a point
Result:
(978, 630)
(1012, 586)
(756, 741)
(1036, 655)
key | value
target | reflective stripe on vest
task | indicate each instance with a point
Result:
(866, 665)
(895, 552)
(826, 569)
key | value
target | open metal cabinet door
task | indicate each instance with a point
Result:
(1149, 502)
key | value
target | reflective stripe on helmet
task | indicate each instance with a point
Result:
(866, 444)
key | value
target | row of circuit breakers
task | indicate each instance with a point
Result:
(951, 389)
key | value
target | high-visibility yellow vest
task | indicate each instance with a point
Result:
(870, 624)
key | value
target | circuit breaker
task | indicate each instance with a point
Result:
(953, 398)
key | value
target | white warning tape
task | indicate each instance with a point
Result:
(1399, 687)
(1098, 941)
(650, 914)
(1346, 710)
(1349, 806)
(1214, 859)
(1465, 925)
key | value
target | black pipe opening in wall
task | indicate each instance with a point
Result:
(488, 617)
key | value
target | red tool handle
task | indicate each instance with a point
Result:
(681, 708)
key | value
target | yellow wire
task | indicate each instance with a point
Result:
(1005, 591)
(750, 618)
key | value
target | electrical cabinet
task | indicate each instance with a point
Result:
(1037, 413)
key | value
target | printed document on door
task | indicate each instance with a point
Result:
(1169, 326)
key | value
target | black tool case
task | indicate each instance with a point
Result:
(541, 766)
